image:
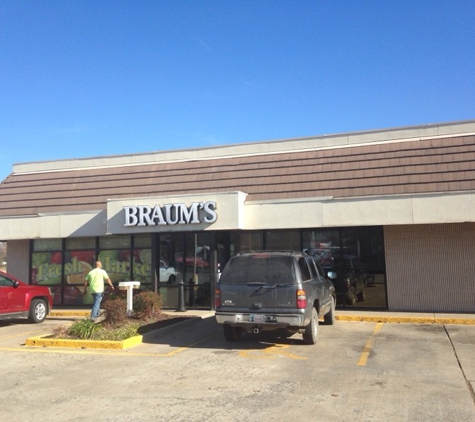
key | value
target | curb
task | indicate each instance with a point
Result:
(84, 344)
(409, 319)
(72, 313)
(44, 341)
(406, 320)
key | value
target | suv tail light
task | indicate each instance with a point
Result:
(301, 299)
(217, 298)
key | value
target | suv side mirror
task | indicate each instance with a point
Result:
(15, 284)
(331, 275)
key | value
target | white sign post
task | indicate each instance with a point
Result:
(129, 286)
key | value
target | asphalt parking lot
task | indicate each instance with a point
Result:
(358, 371)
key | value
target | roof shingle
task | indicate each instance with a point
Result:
(422, 166)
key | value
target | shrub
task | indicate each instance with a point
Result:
(115, 312)
(128, 330)
(83, 329)
(147, 305)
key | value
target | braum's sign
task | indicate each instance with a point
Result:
(170, 214)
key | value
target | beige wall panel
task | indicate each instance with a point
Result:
(368, 211)
(18, 252)
(44, 226)
(284, 215)
(444, 208)
(431, 268)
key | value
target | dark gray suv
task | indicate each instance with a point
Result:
(282, 291)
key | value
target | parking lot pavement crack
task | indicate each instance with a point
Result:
(467, 381)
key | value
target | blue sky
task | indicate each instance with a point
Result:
(82, 78)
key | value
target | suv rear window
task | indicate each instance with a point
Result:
(266, 269)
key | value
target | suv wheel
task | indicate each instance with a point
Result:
(361, 296)
(329, 318)
(38, 311)
(310, 336)
(231, 333)
(350, 297)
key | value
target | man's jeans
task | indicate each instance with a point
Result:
(96, 307)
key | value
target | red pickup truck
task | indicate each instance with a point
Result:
(18, 299)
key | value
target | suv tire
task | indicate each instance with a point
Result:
(361, 296)
(38, 311)
(310, 336)
(350, 297)
(231, 333)
(329, 318)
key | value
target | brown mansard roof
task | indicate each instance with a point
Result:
(389, 168)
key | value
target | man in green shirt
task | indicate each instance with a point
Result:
(95, 281)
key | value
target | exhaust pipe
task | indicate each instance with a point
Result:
(256, 330)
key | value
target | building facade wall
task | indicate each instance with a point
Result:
(430, 268)
(18, 259)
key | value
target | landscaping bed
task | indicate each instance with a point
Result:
(116, 325)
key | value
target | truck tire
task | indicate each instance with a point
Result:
(231, 333)
(361, 296)
(310, 336)
(350, 297)
(38, 311)
(329, 318)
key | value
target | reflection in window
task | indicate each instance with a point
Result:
(247, 241)
(323, 245)
(47, 245)
(283, 240)
(356, 255)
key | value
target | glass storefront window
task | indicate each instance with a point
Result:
(77, 264)
(142, 265)
(80, 243)
(116, 263)
(350, 244)
(322, 244)
(356, 255)
(46, 262)
(114, 242)
(62, 264)
(46, 268)
(185, 257)
(40, 245)
(170, 269)
(143, 241)
(246, 241)
(142, 261)
(283, 240)
(197, 269)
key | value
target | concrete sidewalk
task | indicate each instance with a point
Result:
(341, 315)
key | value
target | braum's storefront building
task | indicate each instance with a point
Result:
(398, 204)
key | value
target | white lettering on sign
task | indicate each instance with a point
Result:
(170, 214)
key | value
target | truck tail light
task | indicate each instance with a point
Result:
(217, 298)
(301, 299)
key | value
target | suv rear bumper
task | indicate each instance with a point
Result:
(272, 320)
